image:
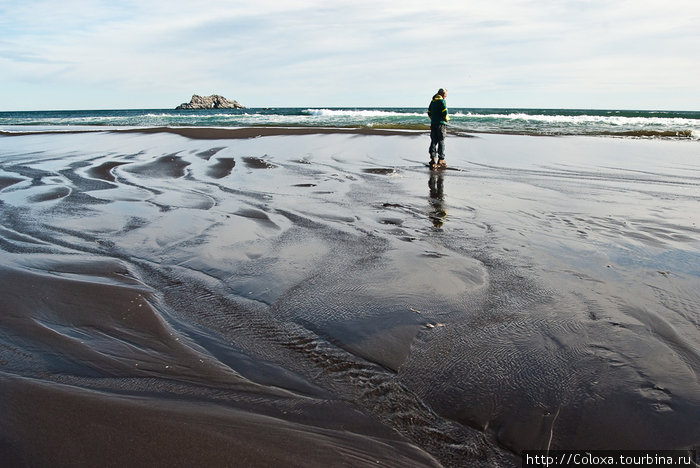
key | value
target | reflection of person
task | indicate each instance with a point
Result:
(437, 197)
(437, 111)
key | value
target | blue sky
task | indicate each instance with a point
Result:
(266, 53)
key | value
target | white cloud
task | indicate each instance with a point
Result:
(268, 53)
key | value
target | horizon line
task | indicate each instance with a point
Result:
(359, 107)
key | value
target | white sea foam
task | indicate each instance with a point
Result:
(358, 113)
(587, 119)
(581, 124)
(188, 116)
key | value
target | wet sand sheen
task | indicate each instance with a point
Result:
(320, 297)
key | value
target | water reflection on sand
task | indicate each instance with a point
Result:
(310, 288)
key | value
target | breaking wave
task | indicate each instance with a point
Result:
(617, 123)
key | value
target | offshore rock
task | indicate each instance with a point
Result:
(210, 102)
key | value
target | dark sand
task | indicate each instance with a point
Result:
(320, 298)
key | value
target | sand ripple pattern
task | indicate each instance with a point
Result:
(304, 299)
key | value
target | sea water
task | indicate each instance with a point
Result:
(616, 123)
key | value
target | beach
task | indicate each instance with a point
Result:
(317, 296)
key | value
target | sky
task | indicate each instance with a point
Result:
(152, 54)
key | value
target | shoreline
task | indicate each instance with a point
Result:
(246, 132)
(216, 133)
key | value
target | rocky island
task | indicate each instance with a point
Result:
(210, 102)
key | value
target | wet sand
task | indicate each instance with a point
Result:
(296, 297)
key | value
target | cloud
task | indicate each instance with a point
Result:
(351, 52)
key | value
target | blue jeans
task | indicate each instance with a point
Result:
(437, 141)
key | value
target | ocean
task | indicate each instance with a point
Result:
(612, 123)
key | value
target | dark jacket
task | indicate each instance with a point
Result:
(437, 110)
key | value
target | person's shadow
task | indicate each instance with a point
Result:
(437, 199)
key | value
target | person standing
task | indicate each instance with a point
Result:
(437, 111)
